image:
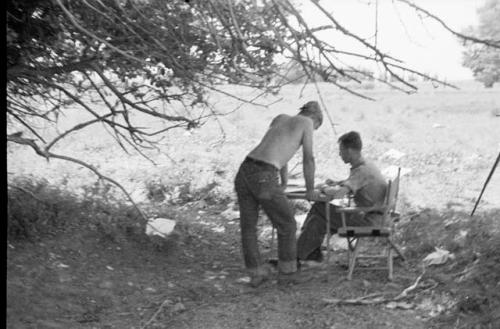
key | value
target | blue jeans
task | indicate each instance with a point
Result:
(257, 185)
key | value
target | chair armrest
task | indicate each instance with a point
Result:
(357, 210)
(302, 195)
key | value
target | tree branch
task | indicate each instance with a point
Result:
(46, 154)
(490, 43)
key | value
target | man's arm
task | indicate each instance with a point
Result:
(337, 191)
(332, 182)
(284, 175)
(308, 158)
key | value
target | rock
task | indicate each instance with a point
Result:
(160, 226)
(438, 257)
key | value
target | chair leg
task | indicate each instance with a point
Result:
(396, 249)
(352, 259)
(390, 259)
(350, 249)
(272, 239)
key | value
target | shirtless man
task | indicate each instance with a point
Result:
(258, 184)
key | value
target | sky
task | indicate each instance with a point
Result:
(420, 42)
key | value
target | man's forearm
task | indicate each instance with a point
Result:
(309, 168)
(284, 175)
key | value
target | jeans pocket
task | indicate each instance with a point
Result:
(265, 184)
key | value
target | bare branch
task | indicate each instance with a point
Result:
(487, 42)
(126, 101)
(46, 154)
(25, 124)
(73, 129)
(16, 72)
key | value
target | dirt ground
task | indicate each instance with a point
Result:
(84, 280)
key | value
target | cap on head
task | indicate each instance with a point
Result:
(312, 108)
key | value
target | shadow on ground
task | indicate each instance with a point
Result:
(84, 279)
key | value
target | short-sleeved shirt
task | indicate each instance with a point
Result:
(367, 184)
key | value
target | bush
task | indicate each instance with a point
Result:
(36, 209)
(475, 243)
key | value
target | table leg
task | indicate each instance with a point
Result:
(328, 235)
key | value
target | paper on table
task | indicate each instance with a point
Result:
(301, 189)
(337, 202)
(295, 189)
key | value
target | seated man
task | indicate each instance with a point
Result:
(365, 182)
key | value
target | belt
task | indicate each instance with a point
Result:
(260, 163)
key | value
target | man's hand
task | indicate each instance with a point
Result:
(313, 195)
(331, 182)
(332, 190)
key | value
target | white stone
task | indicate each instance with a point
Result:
(160, 226)
(438, 257)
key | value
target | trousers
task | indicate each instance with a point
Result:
(314, 228)
(257, 186)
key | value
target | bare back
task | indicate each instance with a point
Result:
(285, 136)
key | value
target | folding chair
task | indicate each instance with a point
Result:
(354, 234)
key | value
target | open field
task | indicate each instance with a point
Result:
(446, 141)
(450, 140)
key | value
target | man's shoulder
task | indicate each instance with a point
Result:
(302, 121)
(372, 169)
(369, 166)
(295, 121)
(281, 118)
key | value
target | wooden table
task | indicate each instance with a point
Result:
(326, 199)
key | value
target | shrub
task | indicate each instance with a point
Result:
(37, 209)
(475, 243)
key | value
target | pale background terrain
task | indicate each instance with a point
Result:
(449, 140)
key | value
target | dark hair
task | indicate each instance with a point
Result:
(312, 109)
(351, 140)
